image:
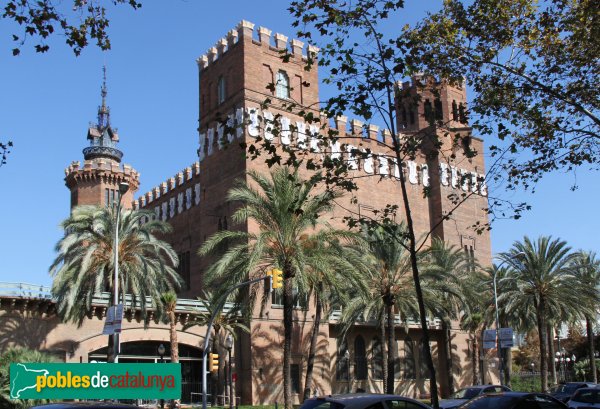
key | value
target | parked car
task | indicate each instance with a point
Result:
(86, 405)
(585, 398)
(565, 390)
(362, 401)
(462, 395)
(514, 400)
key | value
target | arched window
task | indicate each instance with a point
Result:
(221, 91)
(423, 369)
(377, 359)
(360, 358)
(342, 370)
(282, 85)
(408, 367)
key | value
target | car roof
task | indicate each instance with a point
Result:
(589, 388)
(516, 394)
(350, 399)
(480, 386)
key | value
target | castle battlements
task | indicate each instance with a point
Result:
(246, 30)
(179, 193)
(99, 164)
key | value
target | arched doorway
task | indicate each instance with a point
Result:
(190, 359)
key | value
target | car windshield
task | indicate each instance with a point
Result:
(321, 404)
(491, 402)
(467, 393)
(586, 396)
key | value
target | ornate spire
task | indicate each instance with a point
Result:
(103, 110)
(103, 138)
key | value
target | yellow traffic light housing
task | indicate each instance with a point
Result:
(214, 362)
(277, 278)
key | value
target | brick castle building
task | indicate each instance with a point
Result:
(233, 77)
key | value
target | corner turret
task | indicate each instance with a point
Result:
(97, 182)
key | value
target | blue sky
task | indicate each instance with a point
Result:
(47, 101)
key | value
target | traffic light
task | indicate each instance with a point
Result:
(214, 362)
(277, 278)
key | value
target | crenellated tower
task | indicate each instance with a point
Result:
(97, 182)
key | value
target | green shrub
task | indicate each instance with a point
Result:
(525, 383)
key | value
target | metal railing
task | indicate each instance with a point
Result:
(33, 291)
(336, 314)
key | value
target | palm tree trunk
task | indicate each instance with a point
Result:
(590, 341)
(541, 322)
(389, 306)
(550, 331)
(313, 348)
(423, 316)
(507, 367)
(384, 368)
(475, 360)
(288, 309)
(174, 347)
(448, 353)
(412, 249)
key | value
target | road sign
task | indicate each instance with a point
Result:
(114, 318)
(506, 338)
(489, 339)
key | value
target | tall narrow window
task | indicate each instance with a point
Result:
(439, 113)
(404, 117)
(408, 368)
(461, 113)
(295, 372)
(423, 368)
(360, 358)
(428, 111)
(282, 85)
(342, 369)
(454, 111)
(377, 359)
(184, 269)
(221, 94)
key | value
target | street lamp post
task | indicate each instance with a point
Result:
(229, 346)
(563, 361)
(161, 354)
(123, 188)
(498, 346)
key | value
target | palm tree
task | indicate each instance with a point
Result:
(586, 268)
(392, 289)
(452, 263)
(473, 322)
(521, 321)
(225, 322)
(330, 273)
(85, 264)
(285, 211)
(13, 355)
(540, 279)
(169, 301)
